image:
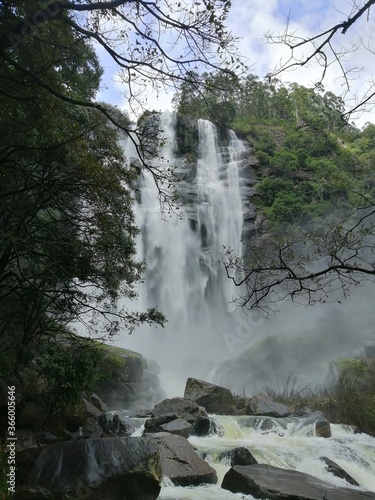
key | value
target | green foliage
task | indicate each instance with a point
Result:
(214, 102)
(68, 369)
(269, 188)
(286, 208)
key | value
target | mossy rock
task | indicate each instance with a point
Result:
(120, 373)
(121, 364)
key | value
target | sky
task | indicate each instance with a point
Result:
(251, 20)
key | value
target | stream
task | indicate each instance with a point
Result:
(286, 444)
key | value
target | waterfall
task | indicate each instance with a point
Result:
(184, 278)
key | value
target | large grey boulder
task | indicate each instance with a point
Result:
(100, 469)
(179, 427)
(117, 423)
(316, 424)
(182, 407)
(126, 379)
(273, 483)
(237, 456)
(120, 373)
(266, 406)
(266, 425)
(181, 463)
(191, 418)
(213, 398)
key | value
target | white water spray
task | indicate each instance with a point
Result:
(184, 278)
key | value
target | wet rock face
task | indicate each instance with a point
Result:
(127, 379)
(274, 483)
(266, 406)
(117, 423)
(213, 398)
(181, 463)
(319, 423)
(338, 471)
(179, 416)
(238, 456)
(100, 469)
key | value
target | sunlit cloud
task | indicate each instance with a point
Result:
(251, 21)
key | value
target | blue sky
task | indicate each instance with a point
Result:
(250, 20)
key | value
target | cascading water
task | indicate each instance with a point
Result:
(287, 444)
(183, 277)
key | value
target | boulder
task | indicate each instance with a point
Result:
(266, 425)
(181, 463)
(213, 398)
(122, 364)
(90, 411)
(182, 409)
(117, 423)
(237, 456)
(137, 412)
(125, 381)
(338, 471)
(100, 469)
(316, 424)
(98, 403)
(273, 483)
(304, 411)
(266, 406)
(178, 426)
(153, 425)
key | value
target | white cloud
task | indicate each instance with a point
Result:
(250, 20)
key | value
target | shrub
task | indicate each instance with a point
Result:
(68, 370)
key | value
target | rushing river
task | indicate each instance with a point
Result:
(287, 444)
